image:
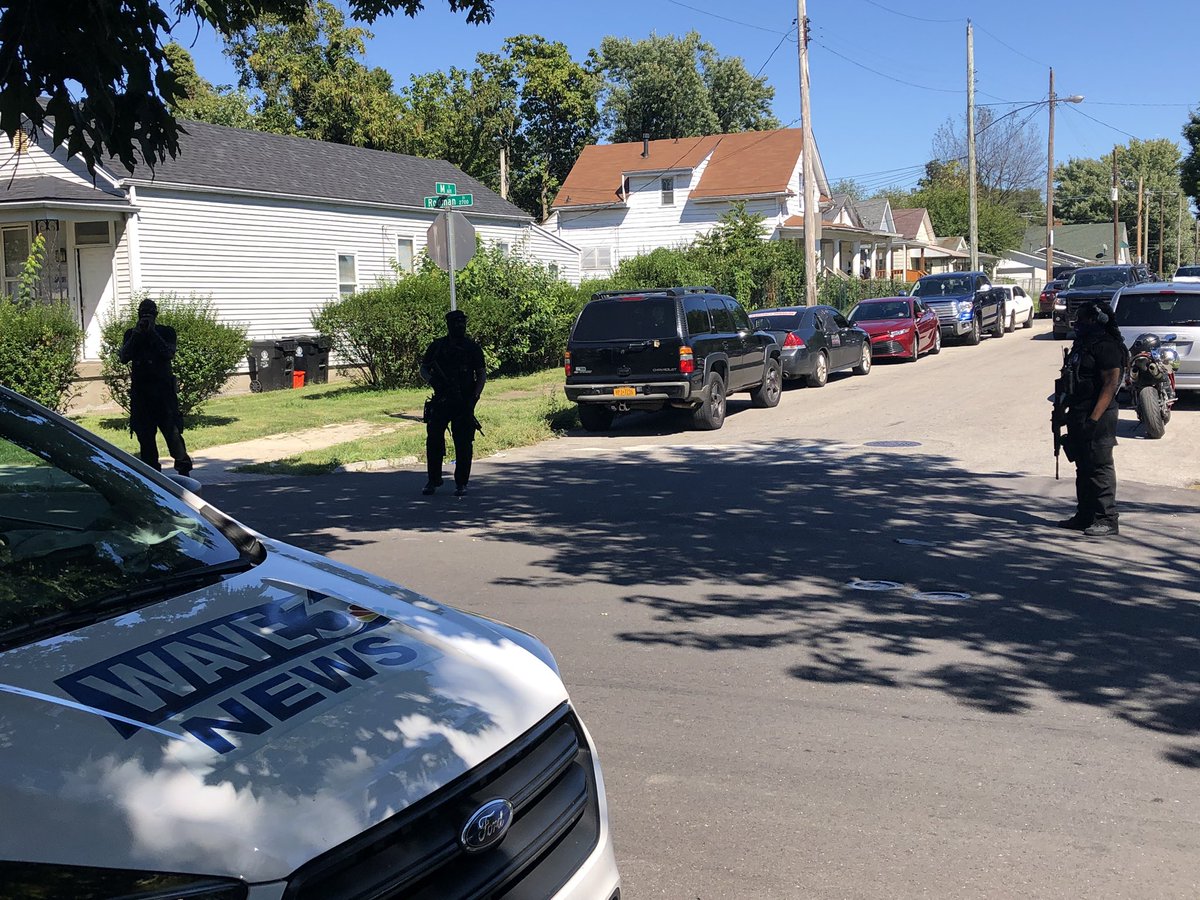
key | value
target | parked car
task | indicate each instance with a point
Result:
(1046, 298)
(1093, 284)
(965, 304)
(191, 709)
(815, 341)
(1018, 307)
(1170, 310)
(686, 347)
(1186, 274)
(899, 327)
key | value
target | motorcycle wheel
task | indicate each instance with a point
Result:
(1150, 411)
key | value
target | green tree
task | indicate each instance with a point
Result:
(114, 55)
(310, 79)
(672, 87)
(1190, 168)
(200, 100)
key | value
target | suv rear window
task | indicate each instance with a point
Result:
(627, 318)
(1158, 309)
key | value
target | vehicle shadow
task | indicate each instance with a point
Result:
(764, 549)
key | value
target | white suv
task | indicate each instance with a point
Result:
(190, 709)
(1170, 310)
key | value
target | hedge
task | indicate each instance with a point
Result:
(39, 350)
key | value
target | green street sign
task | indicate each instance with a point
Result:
(448, 188)
(433, 202)
(460, 200)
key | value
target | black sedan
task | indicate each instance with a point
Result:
(816, 340)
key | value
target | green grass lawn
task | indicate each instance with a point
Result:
(514, 412)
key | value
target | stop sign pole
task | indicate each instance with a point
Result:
(444, 252)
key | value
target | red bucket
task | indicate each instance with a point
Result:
(298, 379)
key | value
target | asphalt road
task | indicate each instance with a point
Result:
(767, 729)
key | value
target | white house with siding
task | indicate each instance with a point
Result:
(622, 200)
(270, 227)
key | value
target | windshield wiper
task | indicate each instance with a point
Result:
(120, 601)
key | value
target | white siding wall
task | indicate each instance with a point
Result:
(539, 245)
(645, 224)
(271, 263)
(37, 161)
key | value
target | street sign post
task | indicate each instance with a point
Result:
(450, 243)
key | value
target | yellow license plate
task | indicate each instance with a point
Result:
(624, 392)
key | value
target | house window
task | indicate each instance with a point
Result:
(347, 274)
(15, 243)
(553, 268)
(404, 254)
(503, 248)
(625, 187)
(92, 233)
(594, 258)
(668, 191)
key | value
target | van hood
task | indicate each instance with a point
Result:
(245, 728)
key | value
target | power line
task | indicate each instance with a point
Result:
(773, 52)
(726, 18)
(907, 16)
(889, 77)
(1112, 103)
(1012, 48)
(1105, 124)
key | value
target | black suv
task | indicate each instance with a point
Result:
(685, 347)
(1093, 284)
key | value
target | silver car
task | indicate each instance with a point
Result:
(1170, 310)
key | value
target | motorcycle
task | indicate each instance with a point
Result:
(1150, 382)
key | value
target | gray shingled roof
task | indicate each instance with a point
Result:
(48, 188)
(220, 157)
(871, 212)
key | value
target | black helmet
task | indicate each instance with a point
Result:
(1145, 343)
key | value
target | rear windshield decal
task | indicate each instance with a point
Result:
(236, 660)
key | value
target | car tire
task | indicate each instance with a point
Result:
(864, 364)
(1012, 323)
(595, 418)
(710, 415)
(972, 338)
(937, 343)
(1029, 320)
(998, 328)
(820, 374)
(916, 348)
(767, 394)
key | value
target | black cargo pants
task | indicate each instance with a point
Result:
(462, 429)
(1095, 472)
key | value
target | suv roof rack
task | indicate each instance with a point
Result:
(671, 291)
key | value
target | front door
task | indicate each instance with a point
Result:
(96, 293)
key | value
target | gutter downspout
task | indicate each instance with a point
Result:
(135, 247)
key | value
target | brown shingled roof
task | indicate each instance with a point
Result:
(748, 163)
(908, 221)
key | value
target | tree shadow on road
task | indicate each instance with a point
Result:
(754, 549)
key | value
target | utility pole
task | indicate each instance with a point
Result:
(1146, 227)
(1140, 257)
(973, 211)
(812, 202)
(504, 173)
(1050, 188)
(1196, 246)
(1116, 214)
(1162, 204)
(1179, 235)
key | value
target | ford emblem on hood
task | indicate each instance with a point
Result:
(487, 826)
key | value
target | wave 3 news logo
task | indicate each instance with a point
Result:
(262, 666)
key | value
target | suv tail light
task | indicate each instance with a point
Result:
(687, 362)
(793, 340)
(567, 362)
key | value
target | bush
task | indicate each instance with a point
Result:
(520, 314)
(843, 293)
(39, 350)
(383, 332)
(208, 350)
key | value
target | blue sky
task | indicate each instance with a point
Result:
(885, 73)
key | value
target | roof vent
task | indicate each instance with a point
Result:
(645, 145)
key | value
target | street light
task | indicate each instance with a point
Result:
(1051, 101)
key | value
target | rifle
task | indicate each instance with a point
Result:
(1064, 386)
(452, 389)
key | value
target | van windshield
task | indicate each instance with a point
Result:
(1158, 310)
(627, 318)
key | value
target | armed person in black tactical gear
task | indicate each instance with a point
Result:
(153, 391)
(1086, 394)
(453, 366)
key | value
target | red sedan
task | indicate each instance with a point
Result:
(1046, 299)
(899, 326)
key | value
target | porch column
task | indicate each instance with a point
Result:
(837, 256)
(856, 256)
(904, 255)
(891, 259)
